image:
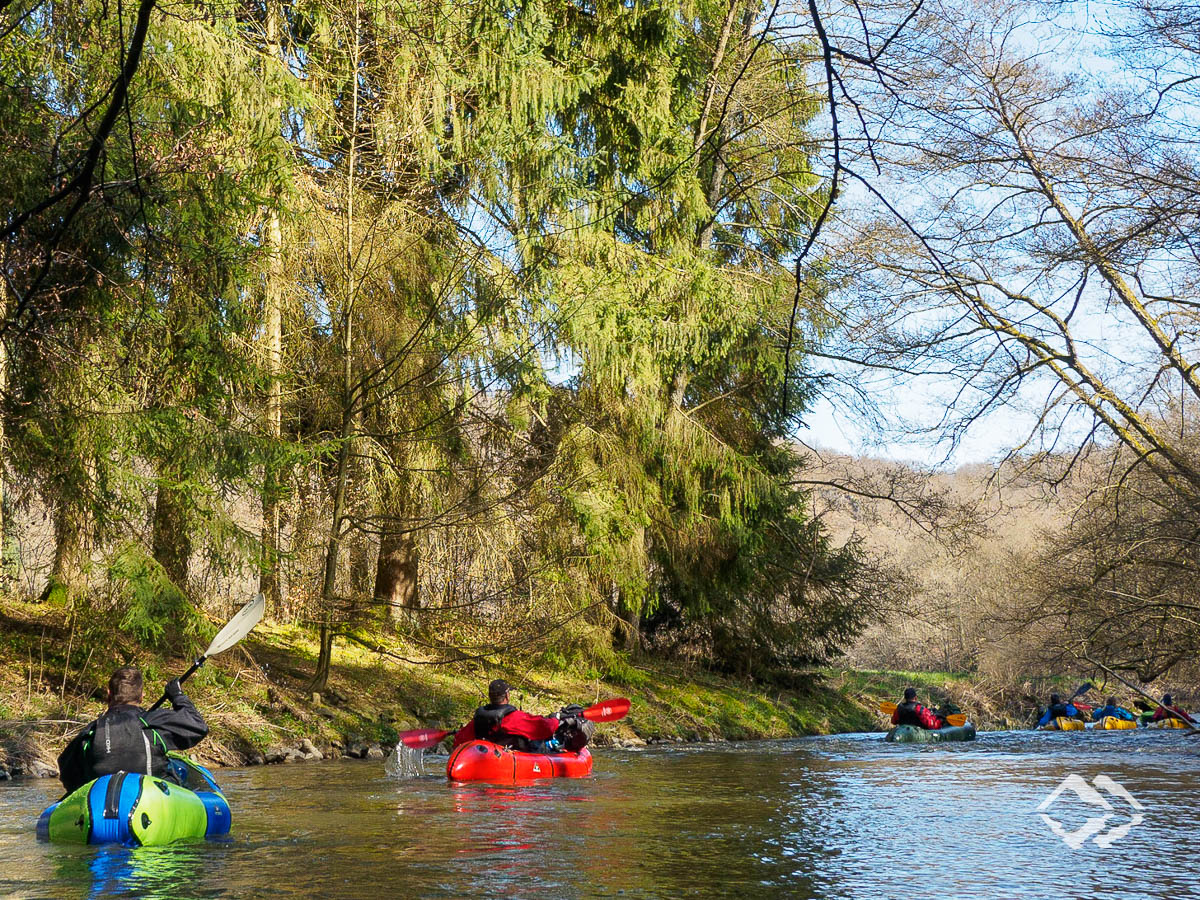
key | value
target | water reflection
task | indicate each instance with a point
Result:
(115, 871)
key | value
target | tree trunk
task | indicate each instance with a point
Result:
(350, 396)
(172, 541)
(629, 631)
(4, 524)
(72, 550)
(702, 136)
(396, 572)
(268, 579)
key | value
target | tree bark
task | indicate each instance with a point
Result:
(701, 135)
(396, 572)
(172, 542)
(72, 550)
(4, 524)
(349, 390)
(268, 580)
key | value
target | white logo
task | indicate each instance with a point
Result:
(1095, 827)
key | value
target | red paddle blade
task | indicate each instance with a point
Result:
(425, 737)
(608, 710)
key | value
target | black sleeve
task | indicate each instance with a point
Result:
(71, 763)
(181, 727)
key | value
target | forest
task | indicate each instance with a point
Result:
(496, 326)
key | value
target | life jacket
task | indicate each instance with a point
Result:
(487, 721)
(121, 741)
(1061, 710)
(910, 712)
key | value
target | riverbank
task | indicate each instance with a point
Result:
(259, 706)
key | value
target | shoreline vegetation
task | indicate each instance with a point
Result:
(260, 709)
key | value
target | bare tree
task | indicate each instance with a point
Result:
(1019, 192)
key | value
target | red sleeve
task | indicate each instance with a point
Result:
(464, 734)
(896, 717)
(1173, 712)
(535, 728)
(928, 719)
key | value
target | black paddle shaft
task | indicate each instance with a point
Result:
(182, 678)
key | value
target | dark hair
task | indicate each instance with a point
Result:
(1166, 699)
(1111, 701)
(125, 686)
(910, 693)
(497, 690)
(1054, 698)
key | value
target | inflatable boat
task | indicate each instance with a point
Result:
(140, 810)
(1112, 723)
(485, 761)
(913, 734)
(1062, 723)
(1168, 723)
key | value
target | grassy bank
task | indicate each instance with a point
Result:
(256, 697)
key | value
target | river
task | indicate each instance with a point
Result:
(839, 817)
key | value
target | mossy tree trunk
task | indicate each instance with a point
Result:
(396, 572)
(172, 541)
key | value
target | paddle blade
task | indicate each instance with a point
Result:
(956, 720)
(607, 710)
(422, 738)
(1083, 689)
(239, 626)
(887, 707)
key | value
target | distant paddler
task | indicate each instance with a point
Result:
(910, 712)
(1058, 709)
(1111, 708)
(1168, 710)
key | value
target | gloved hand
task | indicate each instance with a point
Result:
(174, 689)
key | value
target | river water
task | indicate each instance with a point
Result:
(839, 817)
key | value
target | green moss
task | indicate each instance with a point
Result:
(257, 696)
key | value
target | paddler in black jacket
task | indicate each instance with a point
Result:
(127, 738)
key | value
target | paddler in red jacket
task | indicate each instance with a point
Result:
(1168, 710)
(910, 712)
(502, 723)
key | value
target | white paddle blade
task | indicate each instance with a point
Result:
(239, 626)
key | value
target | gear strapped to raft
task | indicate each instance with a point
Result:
(574, 731)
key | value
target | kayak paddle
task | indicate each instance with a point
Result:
(604, 711)
(956, 720)
(1081, 690)
(422, 738)
(237, 628)
(607, 710)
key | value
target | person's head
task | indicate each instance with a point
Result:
(498, 691)
(125, 686)
(1167, 701)
(1054, 698)
(910, 694)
